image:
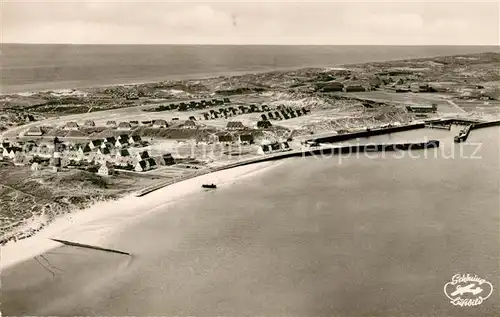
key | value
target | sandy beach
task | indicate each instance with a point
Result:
(93, 225)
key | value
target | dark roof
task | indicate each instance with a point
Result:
(124, 125)
(246, 137)
(235, 124)
(110, 122)
(225, 138)
(85, 148)
(151, 161)
(143, 155)
(275, 146)
(105, 150)
(96, 142)
(14, 149)
(189, 122)
(124, 152)
(264, 124)
(110, 139)
(160, 122)
(123, 139)
(136, 138)
(143, 164)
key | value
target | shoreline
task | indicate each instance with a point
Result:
(93, 225)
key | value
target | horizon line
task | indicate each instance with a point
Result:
(254, 44)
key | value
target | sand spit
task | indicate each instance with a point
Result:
(93, 225)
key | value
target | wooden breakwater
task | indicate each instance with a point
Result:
(367, 133)
(82, 245)
(358, 148)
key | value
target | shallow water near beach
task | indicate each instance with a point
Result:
(337, 236)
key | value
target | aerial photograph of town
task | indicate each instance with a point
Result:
(204, 180)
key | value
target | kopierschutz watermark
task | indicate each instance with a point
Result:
(229, 152)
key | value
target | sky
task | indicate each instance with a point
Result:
(258, 22)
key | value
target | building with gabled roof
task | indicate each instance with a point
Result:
(245, 139)
(122, 141)
(12, 152)
(34, 131)
(134, 139)
(108, 142)
(123, 158)
(145, 165)
(235, 125)
(189, 124)
(95, 144)
(106, 169)
(141, 155)
(225, 138)
(104, 150)
(29, 118)
(160, 123)
(111, 124)
(71, 126)
(264, 124)
(124, 126)
(89, 123)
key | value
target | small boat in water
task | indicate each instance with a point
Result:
(209, 186)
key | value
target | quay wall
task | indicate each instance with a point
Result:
(298, 153)
(485, 125)
(363, 134)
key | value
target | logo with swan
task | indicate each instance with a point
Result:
(467, 290)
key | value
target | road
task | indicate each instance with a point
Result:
(452, 103)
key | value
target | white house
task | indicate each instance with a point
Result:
(105, 170)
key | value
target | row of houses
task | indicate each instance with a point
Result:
(285, 113)
(336, 86)
(101, 152)
(228, 138)
(193, 105)
(126, 125)
(234, 111)
(275, 147)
